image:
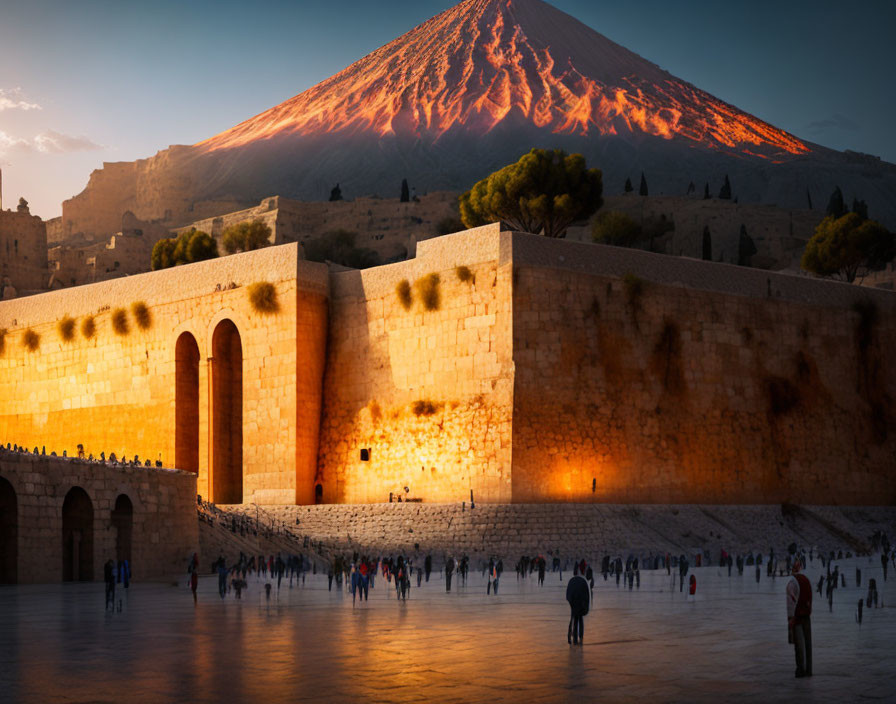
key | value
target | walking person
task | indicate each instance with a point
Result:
(449, 570)
(193, 569)
(799, 610)
(109, 576)
(578, 594)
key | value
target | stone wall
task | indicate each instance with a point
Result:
(163, 532)
(116, 393)
(427, 394)
(641, 378)
(23, 253)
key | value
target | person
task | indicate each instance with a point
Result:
(222, 576)
(799, 610)
(449, 570)
(883, 563)
(193, 569)
(427, 566)
(492, 577)
(578, 594)
(683, 567)
(109, 576)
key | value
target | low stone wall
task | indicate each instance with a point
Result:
(511, 530)
(163, 529)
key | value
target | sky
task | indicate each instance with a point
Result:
(86, 82)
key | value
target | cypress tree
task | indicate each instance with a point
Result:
(643, 189)
(628, 185)
(725, 193)
(860, 208)
(691, 188)
(707, 244)
(809, 198)
(706, 195)
(405, 192)
(746, 248)
(835, 204)
(336, 193)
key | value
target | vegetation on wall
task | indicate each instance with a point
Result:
(465, 275)
(424, 407)
(66, 328)
(783, 396)
(263, 297)
(616, 228)
(667, 359)
(428, 291)
(542, 193)
(3, 332)
(246, 237)
(120, 321)
(31, 340)
(141, 314)
(403, 291)
(88, 327)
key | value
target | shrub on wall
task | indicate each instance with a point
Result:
(428, 290)
(424, 407)
(120, 321)
(66, 328)
(88, 327)
(141, 314)
(403, 291)
(465, 275)
(31, 340)
(263, 297)
(3, 332)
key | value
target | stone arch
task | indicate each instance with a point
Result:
(186, 403)
(77, 536)
(9, 533)
(123, 523)
(226, 371)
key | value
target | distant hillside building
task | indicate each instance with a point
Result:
(23, 250)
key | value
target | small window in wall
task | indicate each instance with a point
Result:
(365, 454)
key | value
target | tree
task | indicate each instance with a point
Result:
(809, 198)
(189, 247)
(628, 185)
(860, 208)
(746, 247)
(642, 191)
(339, 246)
(246, 236)
(449, 225)
(848, 247)
(707, 244)
(405, 192)
(616, 228)
(706, 195)
(691, 188)
(725, 193)
(836, 207)
(544, 192)
(336, 193)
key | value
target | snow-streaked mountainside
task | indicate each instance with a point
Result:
(471, 90)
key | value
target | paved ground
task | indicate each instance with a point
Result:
(308, 644)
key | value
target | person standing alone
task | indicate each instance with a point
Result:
(578, 594)
(799, 609)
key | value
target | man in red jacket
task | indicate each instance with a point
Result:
(799, 609)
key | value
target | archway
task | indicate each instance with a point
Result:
(186, 403)
(123, 522)
(77, 536)
(9, 533)
(227, 414)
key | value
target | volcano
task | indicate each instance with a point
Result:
(467, 92)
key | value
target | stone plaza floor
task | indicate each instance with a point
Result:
(309, 644)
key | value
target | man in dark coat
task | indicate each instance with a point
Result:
(799, 611)
(578, 594)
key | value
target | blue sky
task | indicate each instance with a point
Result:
(93, 81)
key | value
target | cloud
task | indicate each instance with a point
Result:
(12, 100)
(835, 122)
(53, 142)
(47, 142)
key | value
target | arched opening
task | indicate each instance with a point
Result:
(319, 494)
(9, 533)
(77, 536)
(123, 522)
(186, 403)
(227, 412)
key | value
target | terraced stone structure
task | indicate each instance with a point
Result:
(494, 365)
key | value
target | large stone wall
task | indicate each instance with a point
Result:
(428, 393)
(641, 378)
(116, 392)
(163, 531)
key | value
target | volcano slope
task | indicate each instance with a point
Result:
(467, 92)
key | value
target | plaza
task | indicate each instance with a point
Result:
(306, 643)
